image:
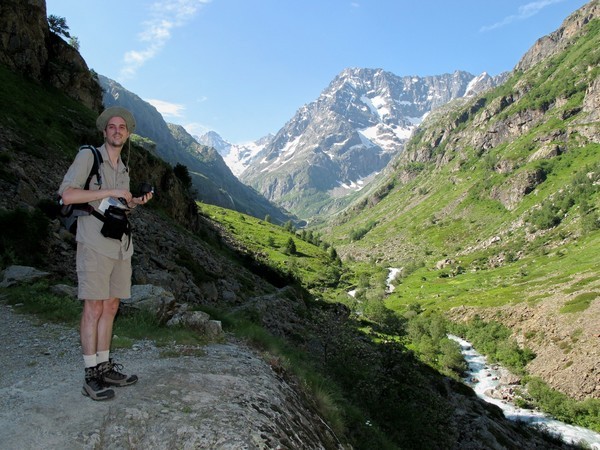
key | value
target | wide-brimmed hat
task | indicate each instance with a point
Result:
(115, 111)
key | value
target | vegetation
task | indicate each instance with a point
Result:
(494, 340)
(58, 25)
(296, 255)
(183, 174)
(584, 413)
(37, 299)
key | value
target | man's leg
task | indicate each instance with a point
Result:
(93, 386)
(92, 311)
(105, 324)
(111, 372)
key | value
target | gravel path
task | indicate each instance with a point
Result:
(227, 399)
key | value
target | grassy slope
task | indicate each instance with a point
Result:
(268, 242)
(47, 114)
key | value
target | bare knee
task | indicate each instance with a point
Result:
(111, 306)
(92, 310)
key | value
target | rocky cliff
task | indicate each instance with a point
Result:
(560, 39)
(28, 47)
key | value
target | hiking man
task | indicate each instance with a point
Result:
(103, 263)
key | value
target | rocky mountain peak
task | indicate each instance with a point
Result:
(335, 145)
(561, 38)
(236, 156)
(214, 139)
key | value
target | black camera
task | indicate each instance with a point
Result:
(146, 188)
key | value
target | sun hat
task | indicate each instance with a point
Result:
(115, 111)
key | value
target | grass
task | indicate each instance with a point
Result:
(36, 299)
(46, 113)
(534, 276)
(309, 264)
(580, 303)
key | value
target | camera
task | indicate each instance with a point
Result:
(146, 188)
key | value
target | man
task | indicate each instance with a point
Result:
(103, 263)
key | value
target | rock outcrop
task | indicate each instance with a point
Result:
(27, 46)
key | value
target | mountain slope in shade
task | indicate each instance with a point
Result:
(212, 179)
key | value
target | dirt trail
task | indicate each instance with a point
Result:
(227, 399)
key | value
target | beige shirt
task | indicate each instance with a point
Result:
(88, 227)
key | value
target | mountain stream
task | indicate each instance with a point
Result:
(485, 379)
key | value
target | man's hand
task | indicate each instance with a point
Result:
(142, 200)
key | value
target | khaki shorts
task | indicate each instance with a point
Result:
(101, 277)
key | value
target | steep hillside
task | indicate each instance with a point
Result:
(494, 205)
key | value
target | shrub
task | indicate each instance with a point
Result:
(183, 174)
(24, 234)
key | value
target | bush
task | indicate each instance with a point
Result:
(493, 340)
(183, 174)
(23, 237)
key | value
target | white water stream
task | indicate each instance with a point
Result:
(483, 377)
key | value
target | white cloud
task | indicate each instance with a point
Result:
(167, 108)
(197, 129)
(524, 12)
(166, 15)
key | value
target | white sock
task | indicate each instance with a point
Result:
(102, 356)
(89, 361)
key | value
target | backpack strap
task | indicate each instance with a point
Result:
(95, 166)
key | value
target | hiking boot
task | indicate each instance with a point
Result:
(110, 373)
(94, 387)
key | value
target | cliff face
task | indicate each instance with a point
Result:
(558, 40)
(28, 47)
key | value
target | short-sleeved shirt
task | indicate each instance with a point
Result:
(88, 227)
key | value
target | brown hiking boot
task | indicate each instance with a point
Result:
(110, 373)
(94, 387)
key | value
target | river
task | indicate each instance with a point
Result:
(483, 378)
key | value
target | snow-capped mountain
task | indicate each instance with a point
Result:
(338, 143)
(236, 156)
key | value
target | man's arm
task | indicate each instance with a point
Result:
(72, 195)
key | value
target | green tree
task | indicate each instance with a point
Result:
(290, 246)
(332, 254)
(451, 358)
(289, 226)
(58, 25)
(74, 42)
(183, 174)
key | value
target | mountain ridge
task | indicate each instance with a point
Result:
(335, 144)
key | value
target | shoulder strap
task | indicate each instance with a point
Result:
(95, 166)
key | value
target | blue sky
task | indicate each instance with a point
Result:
(244, 67)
